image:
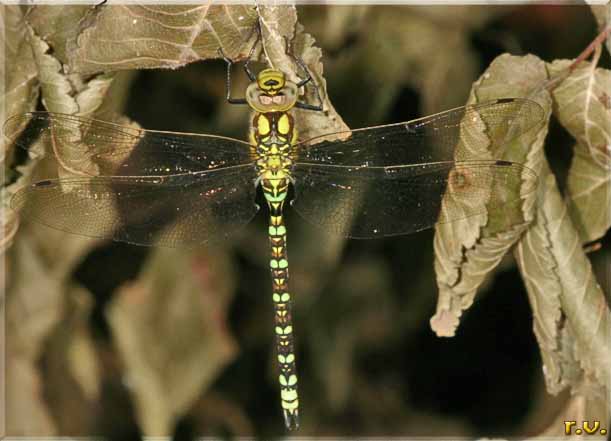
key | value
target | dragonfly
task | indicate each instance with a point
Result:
(149, 187)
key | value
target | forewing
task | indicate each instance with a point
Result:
(436, 138)
(174, 211)
(92, 147)
(369, 202)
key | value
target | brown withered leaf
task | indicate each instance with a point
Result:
(553, 264)
(32, 310)
(161, 36)
(56, 88)
(572, 317)
(171, 332)
(61, 93)
(583, 107)
(59, 25)
(589, 193)
(468, 250)
(19, 70)
(538, 268)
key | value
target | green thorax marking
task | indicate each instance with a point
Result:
(273, 135)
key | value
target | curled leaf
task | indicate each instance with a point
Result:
(21, 87)
(59, 25)
(160, 36)
(572, 318)
(468, 250)
(583, 106)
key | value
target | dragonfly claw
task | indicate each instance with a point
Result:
(291, 419)
(224, 57)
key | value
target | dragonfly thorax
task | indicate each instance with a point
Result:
(272, 136)
(273, 131)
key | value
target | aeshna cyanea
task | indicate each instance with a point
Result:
(149, 187)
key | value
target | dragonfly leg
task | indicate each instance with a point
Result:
(306, 80)
(299, 61)
(282, 302)
(229, 62)
(257, 29)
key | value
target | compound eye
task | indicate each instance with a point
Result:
(279, 99)
(265, 100)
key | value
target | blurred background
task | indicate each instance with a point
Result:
(117, 340)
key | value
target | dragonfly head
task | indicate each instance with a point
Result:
(271, 92)
(271, 80)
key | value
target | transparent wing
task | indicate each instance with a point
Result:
(481, 131)
(93, 147)
(368, 202)
(402, 178)
(178, 210)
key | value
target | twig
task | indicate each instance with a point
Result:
(596, 43)
(594, 46)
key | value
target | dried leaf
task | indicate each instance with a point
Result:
(53, 30)
(170, 329)
(572, 318)
(59, 25)
(19, 69)
(544, 290)
(61, 94)
(56, 88)
(589, 193)
(583, 107)
(278, 24)
(467, 251)
(161, 36)
(33, 308)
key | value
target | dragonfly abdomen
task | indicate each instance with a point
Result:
(273, 134)
(282, 310)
